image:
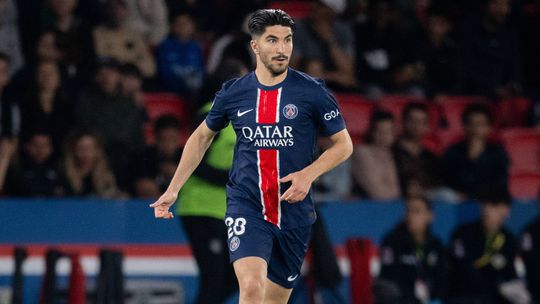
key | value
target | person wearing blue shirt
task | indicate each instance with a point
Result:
(180, 58)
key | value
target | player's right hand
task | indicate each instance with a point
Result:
(162, 205)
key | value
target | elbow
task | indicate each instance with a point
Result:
(347, 148)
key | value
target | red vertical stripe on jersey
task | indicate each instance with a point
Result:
(267, 107)
(268, 160)
(269, 183)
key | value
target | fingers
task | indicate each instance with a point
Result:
(161, 209)
(293, 195)
(155, 204)
(287, 178)
(163, 213)
(286, 195)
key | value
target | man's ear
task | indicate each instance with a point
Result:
(254, 46)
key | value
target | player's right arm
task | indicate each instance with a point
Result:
(192, 155)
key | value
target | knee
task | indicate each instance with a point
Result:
(252, 290)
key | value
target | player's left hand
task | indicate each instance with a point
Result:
(300, 184)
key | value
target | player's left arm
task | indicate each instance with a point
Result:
(340, 149)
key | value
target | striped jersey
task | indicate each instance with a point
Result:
(276, 131)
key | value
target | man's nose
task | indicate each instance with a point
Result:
(281, 47)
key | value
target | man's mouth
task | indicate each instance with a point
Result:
(281, 58)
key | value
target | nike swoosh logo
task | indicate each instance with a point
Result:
(240, 114)
(292, 278)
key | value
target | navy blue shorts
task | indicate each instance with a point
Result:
(283, 250)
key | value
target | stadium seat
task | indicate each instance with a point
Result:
(523, 147)
(395, 104)
(296, 9)
(356, 111)
(524, 185)
(158, 104)
(512, 112)
(453, 106)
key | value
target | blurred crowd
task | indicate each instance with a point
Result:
(74, 75)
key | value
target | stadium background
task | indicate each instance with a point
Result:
(157, 250)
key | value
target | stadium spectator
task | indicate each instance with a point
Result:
(73, 36)
(45, 50)
(313, 67)
(373, 165)
(149, 18)
(489, 53)
(418, 168)
(9, 120)
(384, 51)
(530, 252)
(46, 106)
(474, 164)
(439, 53)
(113, 39)
(117, 119)
(36, 173)
(180, 58)
(9, 34)
(413, 258)
(85, 167)
(482, 255)
(323, 37)
(131, 87)
(155, 167)
(233, 45)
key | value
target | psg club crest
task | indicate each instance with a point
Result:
(235, 243)
(290, 111)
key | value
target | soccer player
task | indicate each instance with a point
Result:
(277, 113)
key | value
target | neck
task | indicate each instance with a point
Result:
(85, 169)
(437, 40)
(46, 100)
(411, 144)
(491, 228)
(266, 78)
(64, 22)
(419, 237)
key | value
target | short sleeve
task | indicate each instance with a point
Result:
(327, 113)
(217, 118)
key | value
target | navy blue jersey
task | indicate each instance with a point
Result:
(276, 130)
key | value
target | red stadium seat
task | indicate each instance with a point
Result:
(524, 185)
(453, 106)
(356, 111)
(296, 9)
(395, 104)
(158, 104)
(512, 112)
(523, 147)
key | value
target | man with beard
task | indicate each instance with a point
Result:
(277, 113)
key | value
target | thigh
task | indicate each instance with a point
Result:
(250, 269)
(288, 255)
